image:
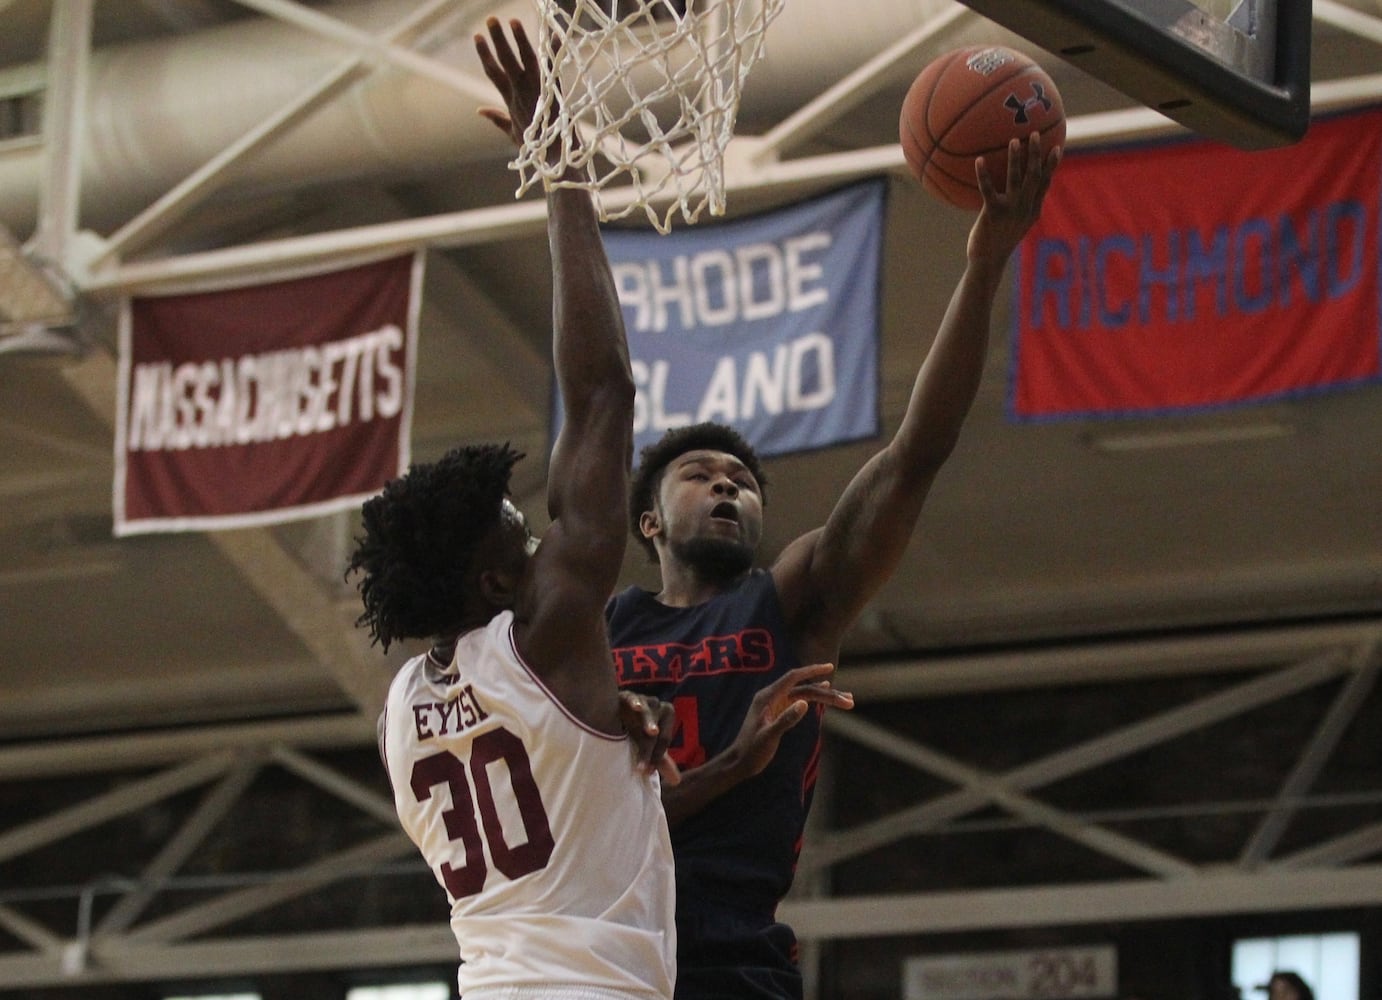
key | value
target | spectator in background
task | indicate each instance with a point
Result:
(1287, 986)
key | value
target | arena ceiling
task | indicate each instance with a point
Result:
(1190, 588)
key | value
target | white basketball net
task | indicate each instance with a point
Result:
(634, 91)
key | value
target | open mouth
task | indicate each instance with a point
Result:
(725, 511)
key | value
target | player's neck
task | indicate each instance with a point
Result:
(684, 586)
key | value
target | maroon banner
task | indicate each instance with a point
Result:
(255, 405)
(1189, 275)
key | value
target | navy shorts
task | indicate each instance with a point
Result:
(726, 954)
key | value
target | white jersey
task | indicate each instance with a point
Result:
(551, 846)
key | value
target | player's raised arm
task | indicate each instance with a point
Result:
(827, 576)
(581, 553)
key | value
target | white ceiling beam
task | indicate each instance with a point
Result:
(193, 189)
(101, 808)
(994, 789)
(367, 800)
(1019, 670)
(178, 848)
(30, 932)
(1345, 18)
(231, 906)
(131, 962)
(854, 87)
(1345, 92)
(1119, 743)
(1105, 662)
(1312, 759)
(186, 194)
(90, 755)
(1351, 846)
(1212, 894)
(496, 223)
(324, 624)
(64, 117)
(385, 47)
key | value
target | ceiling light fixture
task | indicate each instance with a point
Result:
(1189, 437)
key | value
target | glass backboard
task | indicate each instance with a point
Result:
(1233, 70)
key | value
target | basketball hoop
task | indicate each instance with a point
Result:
(644, 92)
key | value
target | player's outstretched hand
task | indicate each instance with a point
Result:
(515, 72)
(1006, 217)
(651, 724)
(780, 706)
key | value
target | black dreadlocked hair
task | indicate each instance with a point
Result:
(420, 536)
(654, 459)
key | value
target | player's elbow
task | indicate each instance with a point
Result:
(622, 389)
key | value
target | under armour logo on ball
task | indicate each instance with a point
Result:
(1020, 106)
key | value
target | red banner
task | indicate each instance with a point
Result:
(256, 405)
(1191, 275)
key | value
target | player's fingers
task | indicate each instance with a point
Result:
(782, 687)
(526, 55)
(810, 672)
(658, 752)
(1049, 165)
(1053, 159)
(669, 772)
(502, 49)
(666, 719)
(1016, 162)
(824, 694)
(797, 677)
(500, 118)
(642, 713)
(788, 718)
(984, 179)
(487, 61)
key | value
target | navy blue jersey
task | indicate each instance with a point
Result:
(739, 853)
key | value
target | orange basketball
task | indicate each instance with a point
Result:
(969, 103)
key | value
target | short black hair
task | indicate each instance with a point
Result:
(1293, 979)
(654, 459)
(420, 537)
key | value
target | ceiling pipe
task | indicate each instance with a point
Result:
(157, 111)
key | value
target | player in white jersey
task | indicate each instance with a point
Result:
(530, 791)
(505, 743)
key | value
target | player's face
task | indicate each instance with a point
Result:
(511, 544)
(513, 527)
(711, 512)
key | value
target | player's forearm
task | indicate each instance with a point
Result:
(590, 350)
(948, 381)
(591, 458)
(701, 785)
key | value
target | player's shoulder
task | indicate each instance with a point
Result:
(405, 677)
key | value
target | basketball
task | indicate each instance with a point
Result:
(969, 103)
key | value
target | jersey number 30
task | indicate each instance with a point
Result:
(469, 813)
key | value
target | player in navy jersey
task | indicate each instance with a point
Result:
(745, 654)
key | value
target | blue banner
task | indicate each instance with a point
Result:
(769, 324)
